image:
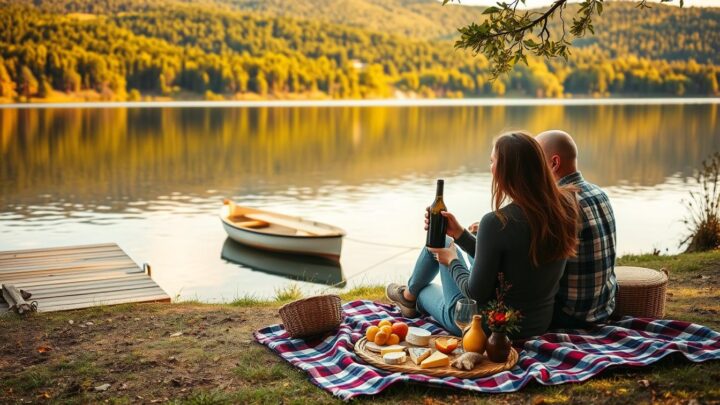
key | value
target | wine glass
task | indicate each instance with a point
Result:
(464, 311)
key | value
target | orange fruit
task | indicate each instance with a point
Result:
(371, 332)
(400, 329)
(384, 322)
(387, 329)
(393, 339)
(381, 338)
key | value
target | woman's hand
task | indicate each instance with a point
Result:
(473, 228)
(454, 229)
(444, 255)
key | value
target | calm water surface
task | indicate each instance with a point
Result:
(152, 180)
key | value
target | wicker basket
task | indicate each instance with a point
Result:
(312, 316)
(641, 292)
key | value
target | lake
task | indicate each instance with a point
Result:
(153, 179)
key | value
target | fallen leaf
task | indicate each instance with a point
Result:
(176, 334)
(538, 401)
(103, 387)
(644, 383)
(44, 349)
(71, 322)
(44, 395)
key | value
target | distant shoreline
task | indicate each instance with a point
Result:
(467, 102)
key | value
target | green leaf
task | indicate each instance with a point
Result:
(489, 10)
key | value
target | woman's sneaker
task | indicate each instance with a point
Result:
(394, 293)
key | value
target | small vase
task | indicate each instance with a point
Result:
(474, 338)
(498, 347)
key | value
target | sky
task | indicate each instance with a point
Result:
(541, 3)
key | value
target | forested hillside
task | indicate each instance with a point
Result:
(128, 49)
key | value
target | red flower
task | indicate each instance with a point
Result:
(499, 317)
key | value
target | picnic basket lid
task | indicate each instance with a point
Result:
(639, 276)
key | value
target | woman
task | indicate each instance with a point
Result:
(528, 239)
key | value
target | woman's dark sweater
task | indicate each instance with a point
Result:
(506, 249)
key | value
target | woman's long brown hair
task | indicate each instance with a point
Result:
(522, 174)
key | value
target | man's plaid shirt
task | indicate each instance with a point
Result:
(588, 287)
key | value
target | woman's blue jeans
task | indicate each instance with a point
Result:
(435, 300)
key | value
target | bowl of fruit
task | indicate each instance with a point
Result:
(386, 333)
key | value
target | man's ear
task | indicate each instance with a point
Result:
(555, 160)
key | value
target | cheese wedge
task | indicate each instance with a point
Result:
(436, 359)
(418, 336)
(418, 354)
(395, 358)
(392, 349)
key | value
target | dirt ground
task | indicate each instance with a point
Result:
(200, 353)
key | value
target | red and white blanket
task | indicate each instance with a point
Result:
(550, 359)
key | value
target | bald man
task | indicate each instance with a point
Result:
(588, 287)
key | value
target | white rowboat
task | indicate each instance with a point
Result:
(281, 233)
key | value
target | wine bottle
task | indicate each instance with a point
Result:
(438, 223)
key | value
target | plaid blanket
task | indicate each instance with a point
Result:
(551, 359)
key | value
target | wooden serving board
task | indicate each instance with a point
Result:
(482, 369)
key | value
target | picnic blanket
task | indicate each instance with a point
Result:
(551, 359)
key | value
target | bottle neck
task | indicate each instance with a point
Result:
(440, 187)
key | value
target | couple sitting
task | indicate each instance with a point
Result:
(554, 241)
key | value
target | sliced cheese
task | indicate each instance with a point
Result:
(418, 336)
(391, 349)
(395, 358)
(418, 354)
(436, 359)
(373, 347)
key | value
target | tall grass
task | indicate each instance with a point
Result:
(703, 219)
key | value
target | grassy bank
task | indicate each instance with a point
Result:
(202, 353)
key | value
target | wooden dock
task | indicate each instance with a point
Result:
(78, 277)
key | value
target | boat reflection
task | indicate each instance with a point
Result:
(296, 267)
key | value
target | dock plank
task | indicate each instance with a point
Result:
(16, 278)
(92, 289)
(59, 251)
(146, 299)
(74, 277)
(8, 264)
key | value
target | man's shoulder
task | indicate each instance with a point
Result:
(588, 190)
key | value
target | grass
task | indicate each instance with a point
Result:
(216, 361)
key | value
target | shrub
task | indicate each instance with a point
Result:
(703, 221)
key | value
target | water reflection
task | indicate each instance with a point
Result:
(294, 267)
(107, 158)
